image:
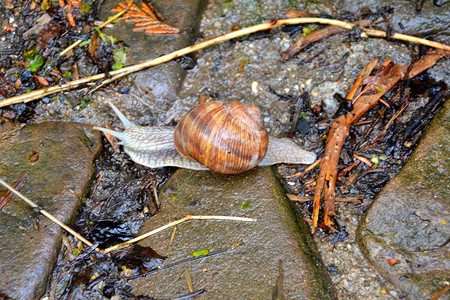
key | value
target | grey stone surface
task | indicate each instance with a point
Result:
(409, 218)
(431, 21)
(57, 181)
(249, 271)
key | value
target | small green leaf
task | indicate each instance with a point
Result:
(33, 59)
(243, 64)
(120, 59)
(174, 198)
(112, 39)
(67, 74)
(84, 43)
(378, 89)
(375, 160)
(308, 30)
(203, 252)
(45, 5)
(100, 34)
(36, 62)
(245, 204)
(85, 7)
(303, 116)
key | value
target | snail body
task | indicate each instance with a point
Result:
(227, 139)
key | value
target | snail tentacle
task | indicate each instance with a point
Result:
(120, 135)
(126, 123)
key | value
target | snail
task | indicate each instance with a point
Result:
(225, 138)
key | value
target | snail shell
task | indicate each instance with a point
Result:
(225, 138)
(154, 147)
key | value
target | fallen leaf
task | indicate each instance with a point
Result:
(146, 19)
(42, 80)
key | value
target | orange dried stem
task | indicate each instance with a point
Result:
(362, 159)
(363, 75)
(309, 168)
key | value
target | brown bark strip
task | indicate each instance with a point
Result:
(317, 35)
(385, 78)
(363, 75)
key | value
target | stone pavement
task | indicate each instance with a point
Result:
(251, 269)
(58, 158)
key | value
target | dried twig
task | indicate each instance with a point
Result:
(296, 198)
(363, 75)
(175, 223)
(309, 168)
(407, 38)
(168, 57)
(442, 292)
(100, 176)
(363, 159)
(46, 213)
(188, 277)
(172, 237)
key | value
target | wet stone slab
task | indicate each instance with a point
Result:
(409, 218)
(58, 158)
(250, 271)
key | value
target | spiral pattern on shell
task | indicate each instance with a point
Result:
(226, 138)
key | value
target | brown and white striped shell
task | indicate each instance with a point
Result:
(226, 138)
